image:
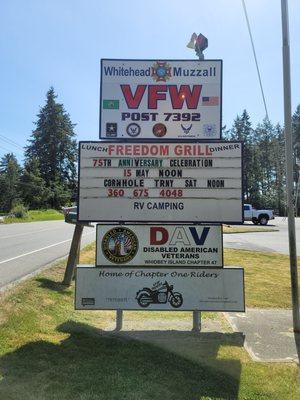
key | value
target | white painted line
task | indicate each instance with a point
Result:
(27, 233)
(41, 249)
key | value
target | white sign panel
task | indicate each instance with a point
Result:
(99, 288)
(159, 245)
(160, 182)
(166, 99)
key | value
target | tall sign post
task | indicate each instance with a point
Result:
(198, 43)
(289, 163)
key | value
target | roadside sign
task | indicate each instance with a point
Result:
(159, 245)
(160, 182)
(160, 99)
(177, 289)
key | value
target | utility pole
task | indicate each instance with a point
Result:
(289, 162)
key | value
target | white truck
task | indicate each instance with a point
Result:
(261, 217)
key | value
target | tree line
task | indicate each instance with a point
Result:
(48, 178)
(264, 182)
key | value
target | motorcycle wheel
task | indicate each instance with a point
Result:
(143, 301)
(176, 301)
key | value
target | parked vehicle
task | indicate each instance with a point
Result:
(161, 295)
(261, 217)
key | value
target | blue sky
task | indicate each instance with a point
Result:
(61, 42)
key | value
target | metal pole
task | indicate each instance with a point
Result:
(196, 321)
(119, 320)
(289, 162)
(197, 314)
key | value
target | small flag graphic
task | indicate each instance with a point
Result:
(111, 104)
(210, 101)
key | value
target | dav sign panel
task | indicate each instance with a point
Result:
(177, 289)
(160, 99)
(168, 245)
(160, 182)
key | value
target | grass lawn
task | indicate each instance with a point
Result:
(37, 215)
(49, 351)
(247, 229)
(267, 277)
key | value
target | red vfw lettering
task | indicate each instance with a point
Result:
(156, 93)
(133, 100)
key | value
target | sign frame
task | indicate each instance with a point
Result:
(88, 267)
(161, 60)
(191, 141)
(165, 266)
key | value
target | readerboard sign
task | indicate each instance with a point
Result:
(159, 245)
(178, 289)
(160, 99)
(160, 182)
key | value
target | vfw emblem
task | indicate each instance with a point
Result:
(161, 71)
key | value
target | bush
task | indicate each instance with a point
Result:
(19, 211)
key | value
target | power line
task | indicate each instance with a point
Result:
(255, 58)
(10, 142)
(9, 150)
(6, 149)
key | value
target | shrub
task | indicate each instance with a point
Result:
(19, 211)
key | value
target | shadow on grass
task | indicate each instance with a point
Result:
(92, 364)
(53, 285)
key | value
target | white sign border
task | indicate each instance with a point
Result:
(142, 309)
(155, 60)
(116, 221)
(166, 266)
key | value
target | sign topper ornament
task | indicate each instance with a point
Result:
(199, 43)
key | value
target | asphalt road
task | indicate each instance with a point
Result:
(27, 247)
(265, 241)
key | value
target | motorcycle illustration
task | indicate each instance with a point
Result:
(161, 295)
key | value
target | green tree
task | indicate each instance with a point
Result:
(242, 130)
(263, 162)
(279, 164)
(33, 188)
(10, 172)
(264, 134)
(53, 144)
(296, 143)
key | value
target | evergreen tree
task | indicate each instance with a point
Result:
(263, 173)
(279, 160)
(296, 143)
(242, 130)
(10, 172)
(53, 144)
(265, 136)
(33, 188)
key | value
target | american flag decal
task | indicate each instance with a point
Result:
(210, 101)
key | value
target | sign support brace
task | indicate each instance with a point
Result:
(119, 320)
(73, 255)
(196, 321)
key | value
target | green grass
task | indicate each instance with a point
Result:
(48, 351)
(37, 215)
(247, 229)
(267, 277)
